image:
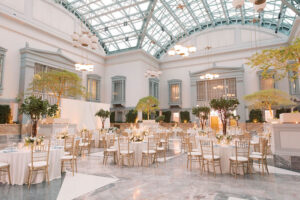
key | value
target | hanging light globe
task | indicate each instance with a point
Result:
(94, 39)
(94, 46)
(260, 7)
(237, 4)
(75, 36)
(84, 40)
(192, 49)
(177, 47)
(171, 52)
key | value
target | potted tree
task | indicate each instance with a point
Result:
(202, 113)
(103, 114)
(58, 84)
(225, 107)
(37, 108)
(148, 105)
(266, 99)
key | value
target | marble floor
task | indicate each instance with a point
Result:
(170, 180)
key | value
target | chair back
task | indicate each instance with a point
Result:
(109, 141)
(242, 148)
(40, 153)
(75, 148)
(151, 144)
(264, 147)
(207, 147)
(123, 144)
(69, 143)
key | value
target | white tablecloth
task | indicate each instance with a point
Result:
(19, 166)
(138, 148)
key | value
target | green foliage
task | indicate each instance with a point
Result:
(224, 108)
(37, 108)
(255, 115)
(58, 84)
(112, 117)
(265, 99)
(148, 104)
(160, 118)
(4, 114)
(282, 110)
(131, 116)
(276, 62)
(184, 116)
(167, 115)
(103, 114)
(202, 113)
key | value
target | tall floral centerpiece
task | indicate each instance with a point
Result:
(37, 109)
(225, 107)
(58, 84)
(103, 114)
(202, 113)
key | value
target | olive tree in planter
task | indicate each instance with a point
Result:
(225, 107)
(37, 109)
(58, 84)
(148, 105)
(265, 99)
(202, 113)
(103, 114)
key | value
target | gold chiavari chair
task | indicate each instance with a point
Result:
(124, 151)
(164, 140)
(72, 158)
(150, 154)
(39, 160)
(85, 145)
(242, 149)
(183, 136)
(261, 157)
(161, 151)
(209, 157)
(68, 144)
(192, 155)
(109, 150)
(5, 167)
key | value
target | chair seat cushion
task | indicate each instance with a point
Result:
(126, 152)
(239, 158)
(84, 144)
(209, 157)
(195, 153)
(160, 148)
(67, 157)
(111, 150)
(38, 164)
(196, 150)
(150, 152)
(256, 153)
(162, 140)
(2, 164)
(67, 153)
(255, 156)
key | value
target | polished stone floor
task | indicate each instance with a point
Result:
(170, 180)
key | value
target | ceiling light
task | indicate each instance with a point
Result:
(209, 76)
(84, 67)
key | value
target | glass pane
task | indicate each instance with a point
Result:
(175, 93)
(201, 93)
(266, 83)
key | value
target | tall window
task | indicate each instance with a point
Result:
(93, 87)
(215, 89)
(2, 55)
(174, 92)
(294, 83)
(266, 83)
(153, 87)
(118, 89)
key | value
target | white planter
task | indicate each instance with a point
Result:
(289, 118)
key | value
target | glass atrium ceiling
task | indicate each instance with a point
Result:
(155, 25)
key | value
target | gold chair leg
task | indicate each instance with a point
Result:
(220, 167)
(266, 165)
(76, 164)
(8, 171)
(29, 178)
(47, 175)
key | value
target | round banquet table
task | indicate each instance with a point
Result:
(138, 148)
(225, 152)
(19, 161)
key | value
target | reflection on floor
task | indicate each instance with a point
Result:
(170, 180)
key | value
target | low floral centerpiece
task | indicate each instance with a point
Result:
(219, 138)
(202, 133)
(63, 135)
(34, 140)
(228, 138)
